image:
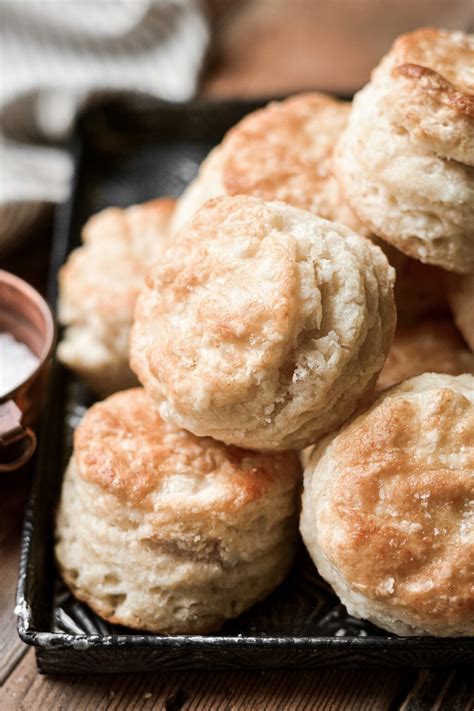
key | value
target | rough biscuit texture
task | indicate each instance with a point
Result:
(281, 152)
(413, 192)
(432, 90)
(388, 508)
(264, 325)
(433, 347)
(98, 287)
(461, 301)
(163, 531)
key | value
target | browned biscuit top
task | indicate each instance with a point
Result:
(124, 447)
(400, 521)
(104, 276)
(440, 62)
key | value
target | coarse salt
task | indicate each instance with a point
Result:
(17, 363)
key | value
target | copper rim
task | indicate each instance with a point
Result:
(26, 290)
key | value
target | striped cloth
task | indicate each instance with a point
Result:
(55, 55)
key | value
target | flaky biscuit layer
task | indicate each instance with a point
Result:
(98, 287)
(160, 530)
(281, 152)
(405, 159)
(264, 325)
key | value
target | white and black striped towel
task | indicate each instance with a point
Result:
(54, 56)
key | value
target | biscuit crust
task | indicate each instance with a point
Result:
(99, 285)
(124, 447)
(281, 152)
(432, 90)
(163, 531)
(246, 332)
(405, 160)
(388, 508)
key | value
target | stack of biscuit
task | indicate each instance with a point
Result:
(261, 308)
(405, 160)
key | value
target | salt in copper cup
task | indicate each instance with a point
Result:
(26, 316)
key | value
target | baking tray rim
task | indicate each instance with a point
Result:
(46, 640)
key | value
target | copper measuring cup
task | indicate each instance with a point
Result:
(26, 316)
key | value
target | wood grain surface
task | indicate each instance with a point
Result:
(21, 687)
(205, 691)
(13, 493)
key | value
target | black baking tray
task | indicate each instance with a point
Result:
(125, 155)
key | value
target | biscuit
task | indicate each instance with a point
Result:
(166, 532)
(98, 287)
(430, 347)
(461, 300)
(411, 191)
(281, 152)
(388, 509)
(264, 326)
(432, 90)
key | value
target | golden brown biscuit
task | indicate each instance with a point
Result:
(388, 513)
(432, 90)
(264, 325)
(399, 173)
(163, 531)
(430, 347)
(281, 152)
(98, 287)
(461, 301)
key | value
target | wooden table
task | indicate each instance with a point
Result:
(21, 687)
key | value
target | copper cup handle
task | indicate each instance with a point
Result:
(17, 443)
